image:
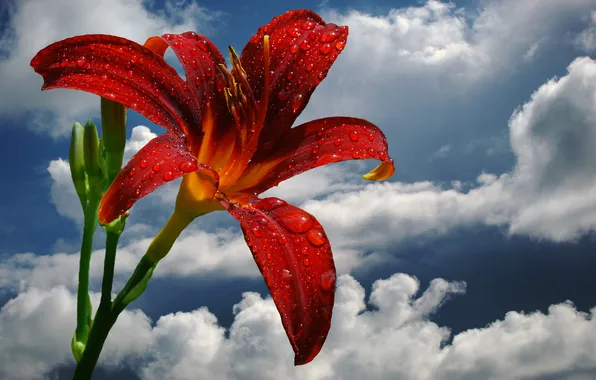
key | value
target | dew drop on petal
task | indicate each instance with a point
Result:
(168, 176)
(156, 167)
(188, 167)
(306, 262)
(297, 101)
(354, 136)
(271, 203)
(143, 164)
(316, 237)
(340, 45)
(304, 46)
(308, 25)
(295, 220)
(132, 172)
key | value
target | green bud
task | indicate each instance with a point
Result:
(77, 348)
(76, 160)
(92, 166)
(113, 134)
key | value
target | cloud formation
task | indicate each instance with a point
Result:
(394, 337)
(34, 24)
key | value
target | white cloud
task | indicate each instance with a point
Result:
(549, 194)
(36, 328)
(396, 339)
(35, 24)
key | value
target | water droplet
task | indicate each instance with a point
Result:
(297, 101)
(354, 136)
(310, 67)
(316, 237)
(370, 137)
(188, 167)
(340, 45)
(328, 36)
(294, 32)
(143, 164)
(156, 167)
(305, 250)
(308, 25)
(322, 75)
(382, 155)
(290, 75)
(203, 45)
(132, 172)
(328, 280)
(64, 63)
(337, 142)
(372, 153)
(151, 175)
(257, 232)
(294, 49)
(326, 49)
(294, 219)
(286, 275)
(129, 73)
(81, 62)
(304, 46)
(306, 262)
(268, 204)
(168, 176)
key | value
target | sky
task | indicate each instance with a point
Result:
(475, 260)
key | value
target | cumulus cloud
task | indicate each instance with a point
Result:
(36, 328)
(33, 24)
(396, 338)
(549, 194)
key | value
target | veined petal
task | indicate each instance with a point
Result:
(123, 71)
(162, 160)
(316, 143)
(294, 256)
(302, 49)
(200, 59)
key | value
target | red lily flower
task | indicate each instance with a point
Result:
(230, 137)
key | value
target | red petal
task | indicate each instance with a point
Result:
(302, 49)
(316, 143)
(162, 160)
(294, 256)
(123, 71)
(200, 59)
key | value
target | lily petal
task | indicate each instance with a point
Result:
(123, 71)
(162, 160)
(316, 143)
(302, 49)
(294, 256)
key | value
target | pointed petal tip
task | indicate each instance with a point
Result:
(382, 172)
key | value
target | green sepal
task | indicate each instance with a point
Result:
(139, 288)
(113, 134)
(76, 160)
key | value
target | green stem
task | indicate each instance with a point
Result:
(108, 312)
(83, 307)
(112, 238)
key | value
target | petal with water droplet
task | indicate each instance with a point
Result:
(299, 60)
(154, 90)
(286, 256)
(170, 158)
(316, 143)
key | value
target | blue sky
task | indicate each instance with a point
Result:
(474, 261)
